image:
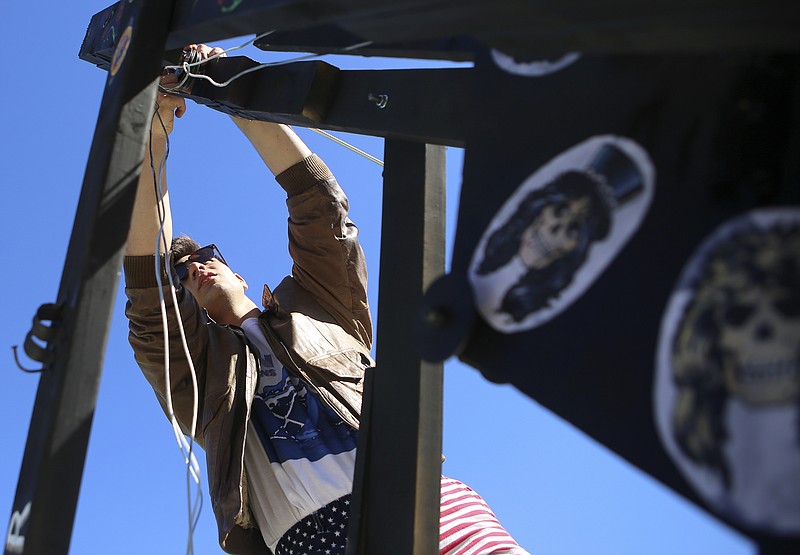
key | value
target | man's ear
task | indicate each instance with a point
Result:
(240, 278)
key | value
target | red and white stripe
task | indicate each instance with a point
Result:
(468, 526)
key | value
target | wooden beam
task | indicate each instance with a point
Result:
(426, 105)
(516, 27)
(398, 469)
(52, 466)
(532, 29)
(300, 92)
(332, 39)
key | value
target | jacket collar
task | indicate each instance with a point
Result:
(268, 300)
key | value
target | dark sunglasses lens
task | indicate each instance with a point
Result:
(182, 271)
(202, 255)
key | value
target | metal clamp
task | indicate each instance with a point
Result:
(47, 333)
(380, 100)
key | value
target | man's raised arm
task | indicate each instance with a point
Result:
(145, 221)
(277, 144)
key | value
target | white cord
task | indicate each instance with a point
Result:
(186, 66)
(215, 56)
(186, 447)
(347, 145)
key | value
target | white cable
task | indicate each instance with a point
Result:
(348, 146)
(162, 240)
(215, 56)
(185, 67)
(231, 49)
(186, 447)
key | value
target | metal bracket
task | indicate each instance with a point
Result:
(47, 312)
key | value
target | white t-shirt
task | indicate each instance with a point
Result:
(299, 454)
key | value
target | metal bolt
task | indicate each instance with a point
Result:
(436, 318)
(380, 100)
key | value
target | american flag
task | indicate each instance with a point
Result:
(468, 526)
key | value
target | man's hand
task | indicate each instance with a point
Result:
(277, 144)
(169, 106)
(206, 51)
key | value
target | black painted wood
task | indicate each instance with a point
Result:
(52, 466)
(398, 469)
(425, 105)
(517, 27)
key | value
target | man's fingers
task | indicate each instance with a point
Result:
(177, 104)
(169, 80)
(206, 51)
(172, 103)
(180, 109)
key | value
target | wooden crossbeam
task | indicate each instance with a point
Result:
(517, 27)
(425, 105)
(332, 39)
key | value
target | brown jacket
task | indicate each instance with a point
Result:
(317, 323)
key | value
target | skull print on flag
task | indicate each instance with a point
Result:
(627, 255)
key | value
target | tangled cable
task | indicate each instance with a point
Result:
(187, 65)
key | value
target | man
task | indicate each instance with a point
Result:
(278, 393)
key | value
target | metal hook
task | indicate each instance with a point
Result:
(380, 100)
(27, 370)
(47, 312)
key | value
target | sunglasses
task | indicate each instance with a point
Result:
(203, 254)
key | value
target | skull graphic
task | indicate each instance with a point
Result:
(729, 366)
(760, 346)
(555, 232)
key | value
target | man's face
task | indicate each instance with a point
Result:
(212, 283)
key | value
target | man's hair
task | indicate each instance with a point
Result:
(182, 246)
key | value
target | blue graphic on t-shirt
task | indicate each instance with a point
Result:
(292, 422)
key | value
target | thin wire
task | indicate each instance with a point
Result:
(193, 468)
(185, 67)
(19, 365)
(348, 146)
(232, 48)
(186, 447)
(161, 240)
(220, 54)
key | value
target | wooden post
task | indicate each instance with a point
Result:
(52, 466)
(396, 494)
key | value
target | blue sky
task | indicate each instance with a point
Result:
(553, 488)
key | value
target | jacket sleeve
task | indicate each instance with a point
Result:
(146, 336)
(323, 243)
